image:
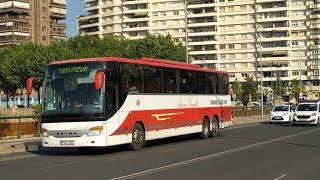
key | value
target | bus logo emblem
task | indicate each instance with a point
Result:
(137, 103)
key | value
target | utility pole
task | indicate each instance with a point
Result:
(186, 28)
(300, 70)
(261, 75)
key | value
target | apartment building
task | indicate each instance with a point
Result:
(223, 34)
(37, 21)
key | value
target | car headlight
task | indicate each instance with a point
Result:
(314, 114)
(44, 132)
(271, 114)
(95, 131)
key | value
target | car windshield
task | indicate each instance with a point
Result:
(281, 108)
(307, 107)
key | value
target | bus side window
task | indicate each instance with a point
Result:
(186, 82)
(131, 78)
(201, 82)
(152, 79)
(169, 78)
(215, 89)
(209, 84)
(223, 84)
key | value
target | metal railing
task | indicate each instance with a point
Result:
(242, 112)
(19, 126)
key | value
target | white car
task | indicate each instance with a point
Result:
(281, 114)
(307, 113)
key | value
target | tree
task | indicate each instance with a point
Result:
(279, 87)
(249, 87)
(295, 88)
(160, 47)
(237, 89)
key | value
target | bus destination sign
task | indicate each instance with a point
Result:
(77, 69)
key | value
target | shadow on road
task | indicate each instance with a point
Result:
(113, 149)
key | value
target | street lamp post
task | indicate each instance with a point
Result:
(300, 70)
(186, 28)
(261, 81)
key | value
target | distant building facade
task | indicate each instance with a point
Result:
(37, 21)
(223, 34)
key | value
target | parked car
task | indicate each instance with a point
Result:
(256, 103)
(281, 114)
(307, 112)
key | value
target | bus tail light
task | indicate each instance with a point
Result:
(95, 131)
(44, 132)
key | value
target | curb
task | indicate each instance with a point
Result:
(21, 147)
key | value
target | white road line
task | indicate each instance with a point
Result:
(58, 165)
(150, 171)
(280, 177)
(18, 157)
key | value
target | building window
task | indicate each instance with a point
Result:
(163, 23)
(316, 72)
(44, 28)
(176, 13)
(243, 46)
(223, 66)
(232, 75)
(231, 46)
(44, 9)
(244, 65)
(44, 38)
(231, 66)
(295, 73)
(295, 43)
(223, 56)
(222, 46)
(243, 74)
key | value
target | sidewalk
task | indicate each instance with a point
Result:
(34, 144)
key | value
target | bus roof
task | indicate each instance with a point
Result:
(142, 61)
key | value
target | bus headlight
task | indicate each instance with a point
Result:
(95, 131)
(44, 132)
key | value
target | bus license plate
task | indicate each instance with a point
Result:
(69, 142)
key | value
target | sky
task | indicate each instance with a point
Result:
(74, 8)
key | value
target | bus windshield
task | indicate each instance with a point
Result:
(70, 94)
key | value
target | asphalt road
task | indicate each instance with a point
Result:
(267, 152)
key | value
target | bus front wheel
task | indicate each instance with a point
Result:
(138, 137)
(205, 129)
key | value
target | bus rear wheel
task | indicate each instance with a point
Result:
(138, 137)
(205, 129)
(215, 127)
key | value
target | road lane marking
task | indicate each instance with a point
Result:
(18, 157)
(57, 165)
(280, 177)
(170, 166)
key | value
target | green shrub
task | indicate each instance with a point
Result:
(36, 110)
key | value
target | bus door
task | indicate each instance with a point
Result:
(112, 100)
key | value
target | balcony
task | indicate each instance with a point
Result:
(14, 38)
(58, 24)
(59, 13)
(15, 28)
(15, 18)
(58, 4)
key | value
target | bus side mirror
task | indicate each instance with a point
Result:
(99, 80)
(29, 85)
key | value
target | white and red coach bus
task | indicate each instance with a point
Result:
(110, 101)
